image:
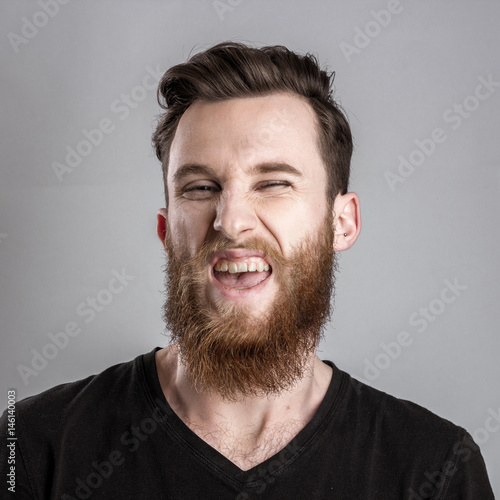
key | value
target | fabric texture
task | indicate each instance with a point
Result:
(114, 436)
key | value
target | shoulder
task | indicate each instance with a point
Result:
(406, 445)
(414, 441)
(401, 433)
(402, 417)
(76, 421)
(91, 396)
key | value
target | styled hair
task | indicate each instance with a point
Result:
(230, 70)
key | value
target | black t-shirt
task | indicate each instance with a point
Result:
(114, 436)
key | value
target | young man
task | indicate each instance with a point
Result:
(255, 156)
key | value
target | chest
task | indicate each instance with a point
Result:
(247, 448)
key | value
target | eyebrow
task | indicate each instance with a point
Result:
(192, 169)
(269, 167)
(260, 168)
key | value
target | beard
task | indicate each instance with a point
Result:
(227, 350)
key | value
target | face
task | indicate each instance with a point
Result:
(245, 169)
(249, 238)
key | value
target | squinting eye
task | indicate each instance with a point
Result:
(199, 192)
(272, 184)
(200, 188)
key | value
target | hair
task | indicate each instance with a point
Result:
(231, 70)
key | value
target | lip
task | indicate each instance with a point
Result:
(236, 255)
(235, 294)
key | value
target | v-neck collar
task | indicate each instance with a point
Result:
(216, 461)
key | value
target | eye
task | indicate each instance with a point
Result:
(199, 191)
(273, 184)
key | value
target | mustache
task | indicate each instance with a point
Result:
(208, 248)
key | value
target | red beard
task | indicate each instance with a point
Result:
(228, 351)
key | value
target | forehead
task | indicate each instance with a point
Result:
(241, 132)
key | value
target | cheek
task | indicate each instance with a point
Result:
(288, 227)
(296, 223)
(188, 231)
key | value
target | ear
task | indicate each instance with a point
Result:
(347, 220)
(161, 225)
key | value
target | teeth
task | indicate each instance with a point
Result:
(242, 267)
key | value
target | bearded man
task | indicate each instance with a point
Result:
(256, 159)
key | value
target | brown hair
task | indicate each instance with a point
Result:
(230, 70)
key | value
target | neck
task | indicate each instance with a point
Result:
(244, 431)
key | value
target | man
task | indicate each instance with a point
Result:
(255, 156)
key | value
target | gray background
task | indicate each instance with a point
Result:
(60, 239)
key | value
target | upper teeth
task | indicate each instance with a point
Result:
(242, 267)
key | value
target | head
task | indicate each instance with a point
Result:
(233, 70)
(255, 157)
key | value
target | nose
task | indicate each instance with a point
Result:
(234, 215)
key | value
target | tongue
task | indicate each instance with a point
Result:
(237, 280)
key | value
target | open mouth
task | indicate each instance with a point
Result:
(242, 274)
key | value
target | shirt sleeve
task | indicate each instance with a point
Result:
(466, 472)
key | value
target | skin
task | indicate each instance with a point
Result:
(233, 197)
